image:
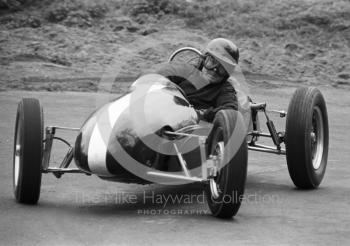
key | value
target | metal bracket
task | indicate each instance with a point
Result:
(212, 166)
(282, 113)
(187, 175)
(277, 137)
(182, 161)
(271, 127)
(58, 172)
(174, 176)
(50, 132)
(49, 135)
(201, 142)
(266, 149)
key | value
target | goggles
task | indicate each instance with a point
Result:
(210, 63)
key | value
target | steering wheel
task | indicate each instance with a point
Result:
(189, 55)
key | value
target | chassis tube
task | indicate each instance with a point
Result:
(267, 149)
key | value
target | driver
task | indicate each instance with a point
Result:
(207, 87)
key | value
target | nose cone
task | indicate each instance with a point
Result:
(128, 128)
(159, 103)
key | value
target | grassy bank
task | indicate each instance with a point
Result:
(70, 45)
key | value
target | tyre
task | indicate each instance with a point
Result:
(28, 150)
(228, 143)
(307, 138)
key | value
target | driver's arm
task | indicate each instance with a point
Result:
(227, 99)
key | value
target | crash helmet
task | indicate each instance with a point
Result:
(225, 52)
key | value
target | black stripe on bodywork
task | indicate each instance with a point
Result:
(120, 174)
(82, 144)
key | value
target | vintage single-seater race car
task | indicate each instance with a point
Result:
(152, 134)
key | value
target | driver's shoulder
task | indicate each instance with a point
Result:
(229, 83)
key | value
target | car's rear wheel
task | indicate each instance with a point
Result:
(28, 149)
(307, 138)
(228, 145)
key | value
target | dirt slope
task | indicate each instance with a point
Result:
(70, 45)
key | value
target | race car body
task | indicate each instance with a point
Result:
(152, 134)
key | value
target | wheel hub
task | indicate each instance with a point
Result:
(313, 137)
(213, 182)
(17, 162)
(317, 138)
(214, 189)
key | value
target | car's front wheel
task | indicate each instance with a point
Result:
(229, 147)
(28, 149)
(307, 138)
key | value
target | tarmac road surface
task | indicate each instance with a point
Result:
(83, 210)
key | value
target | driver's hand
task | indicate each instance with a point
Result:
(200, 113)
